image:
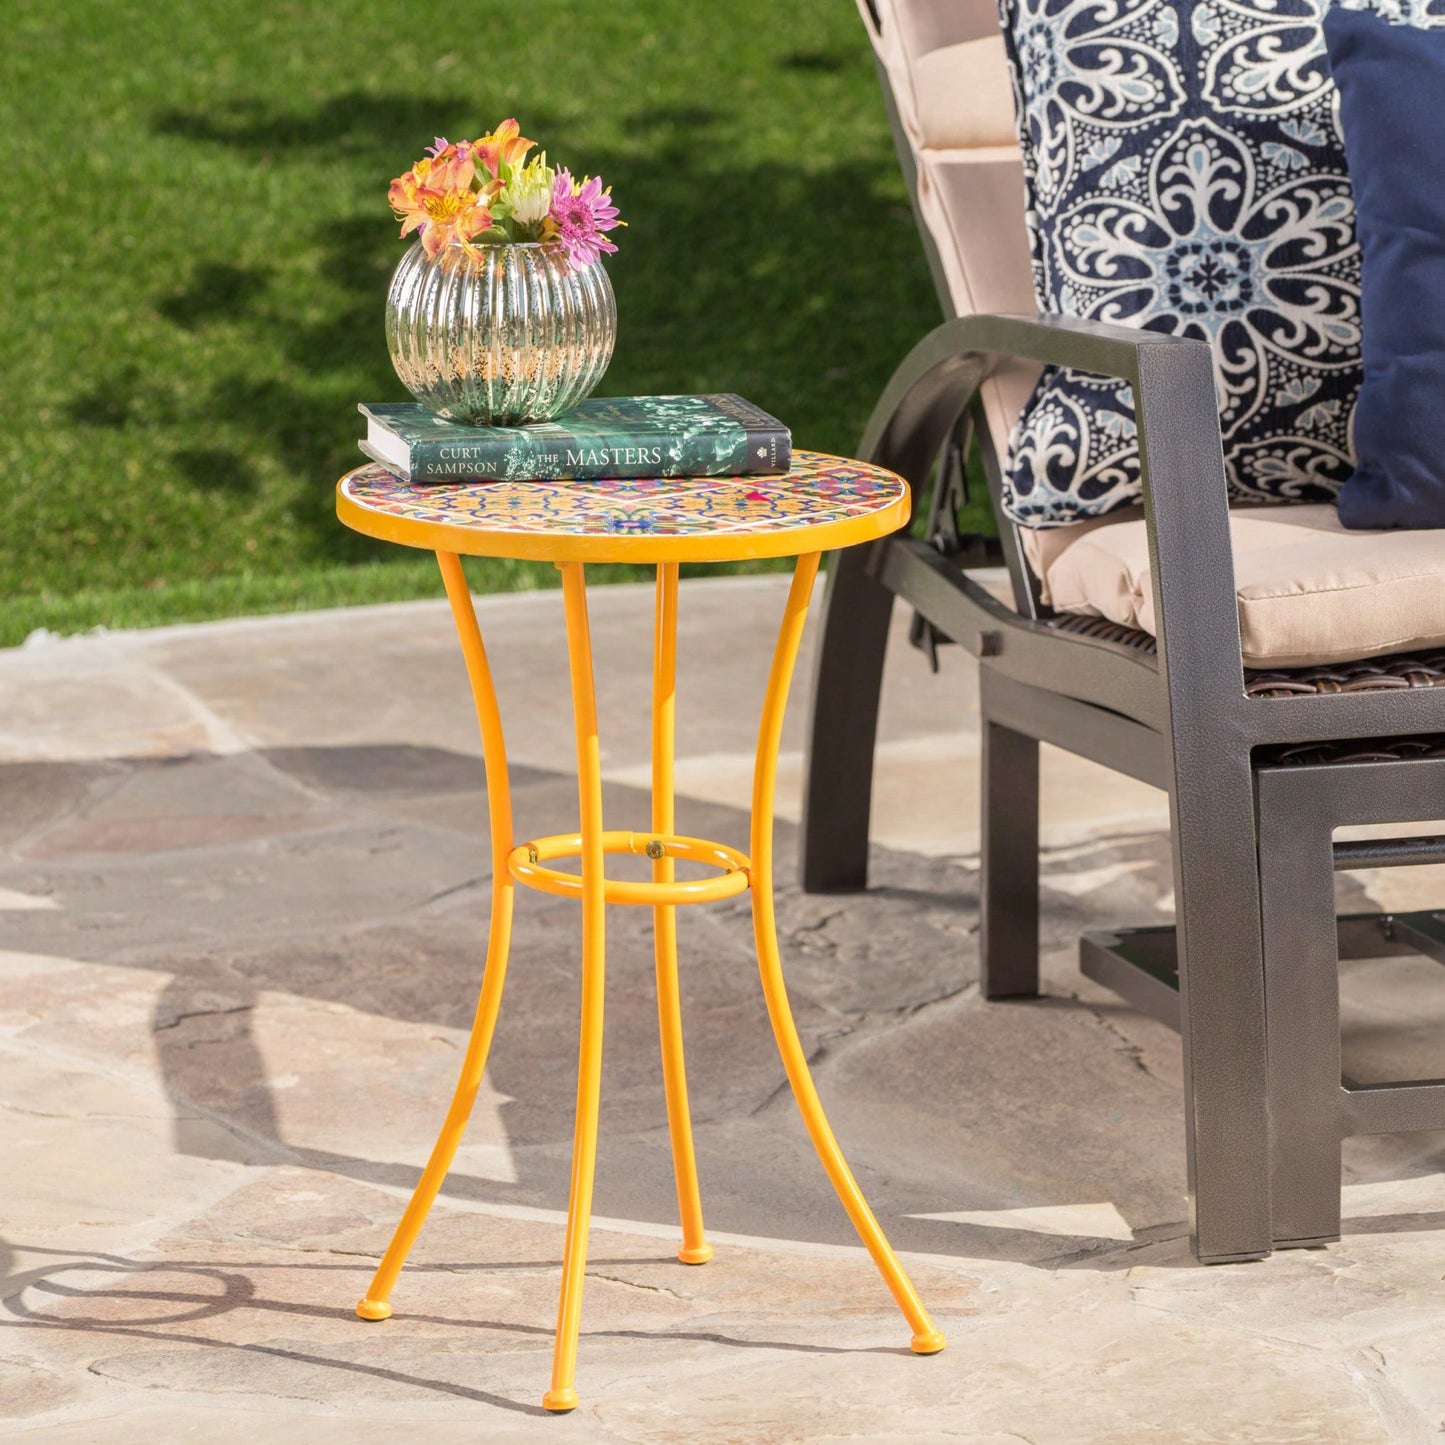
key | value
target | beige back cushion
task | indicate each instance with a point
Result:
(946, 67)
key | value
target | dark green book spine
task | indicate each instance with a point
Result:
(536, 457)
(733, 438)
(751, 453)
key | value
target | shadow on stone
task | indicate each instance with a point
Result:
(318, 916)
(150, 1299)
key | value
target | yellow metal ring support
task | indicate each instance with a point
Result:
(525, 863)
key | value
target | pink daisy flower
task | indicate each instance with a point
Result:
(581, 213)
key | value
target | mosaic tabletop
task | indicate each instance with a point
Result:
(822, 503)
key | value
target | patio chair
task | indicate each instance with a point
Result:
(1269, 724)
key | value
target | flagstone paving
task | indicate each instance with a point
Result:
(243, 889)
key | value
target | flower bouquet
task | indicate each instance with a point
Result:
(482, 193)
(500, 313)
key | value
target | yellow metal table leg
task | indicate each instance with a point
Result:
(927, 1339)
(695, 1248)
(375, 1305)
(563, 1395)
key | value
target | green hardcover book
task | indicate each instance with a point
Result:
(605, 436)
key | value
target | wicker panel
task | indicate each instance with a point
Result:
(1375, 674)
(1355, 750)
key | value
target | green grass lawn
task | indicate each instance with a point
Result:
(197, 247)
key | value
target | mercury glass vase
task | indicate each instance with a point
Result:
(499, 335)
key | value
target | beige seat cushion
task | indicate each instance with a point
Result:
(1310, 592)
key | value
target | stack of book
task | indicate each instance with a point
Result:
(718, 435)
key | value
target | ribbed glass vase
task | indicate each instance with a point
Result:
(499, 335)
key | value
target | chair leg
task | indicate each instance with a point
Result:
(843, 730)
(1221, 1002)
(1009, 818)
(375, 1304)
(927, 1339)
(1301, 957)
(563, 1395)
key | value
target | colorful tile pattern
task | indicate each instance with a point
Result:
(818, 489)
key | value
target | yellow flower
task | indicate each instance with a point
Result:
(530, 191)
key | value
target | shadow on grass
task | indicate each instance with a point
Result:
(127, 396)
(216, 469)
(216, 290)
(826, 61)
(764, 278)
(355, 122)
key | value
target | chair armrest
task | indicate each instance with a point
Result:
(1181, 466)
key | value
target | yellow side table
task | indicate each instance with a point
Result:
(822, 503)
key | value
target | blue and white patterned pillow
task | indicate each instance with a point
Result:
(1186, 174)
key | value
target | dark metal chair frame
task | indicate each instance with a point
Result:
(1249, 974)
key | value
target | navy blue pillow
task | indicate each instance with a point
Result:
(1391, 80)
(1184, 173)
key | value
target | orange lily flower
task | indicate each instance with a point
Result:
(438, 215)
(450, 166)
(504, 146)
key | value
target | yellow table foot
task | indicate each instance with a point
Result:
(374, 1309)
(928, 1344)
(559, 1401)
(699, 1255)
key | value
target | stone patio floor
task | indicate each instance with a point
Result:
(243, 892)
